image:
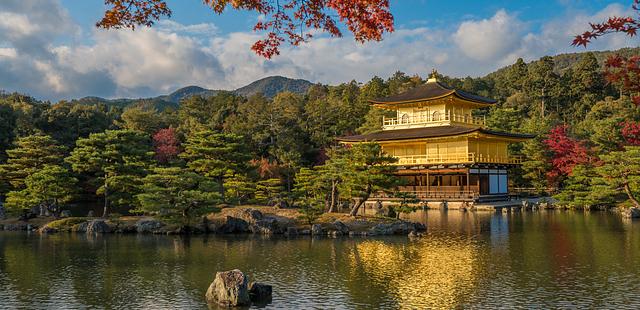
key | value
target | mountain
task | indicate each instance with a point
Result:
(271, 86)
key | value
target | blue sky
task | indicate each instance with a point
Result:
(51, 49)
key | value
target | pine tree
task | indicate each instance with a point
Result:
(620, 171)
(239, 189)
(216, 155)
(368, 170)
(116, 161)
(177, 193)
(51, 187)
(269, 192)
(309, 194)
(29, 155)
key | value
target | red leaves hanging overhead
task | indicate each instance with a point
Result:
(625, 72)
(284, 20)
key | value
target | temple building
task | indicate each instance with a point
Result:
(444, 152)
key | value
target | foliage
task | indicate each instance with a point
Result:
(368, 170)
(309, 195)
(29, 155)
(269, 192)
(177, 193)
(216, 155)
(620, 171)
(567, 152)
(407, 204)
(166, 145)
(619, 69)
(631, 132)
(116, 161)
(366, 19)
(51, 186)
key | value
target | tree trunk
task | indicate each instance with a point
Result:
(356, 207)
(332, 203)
(105, 210)
(221, 182)
(633, 199)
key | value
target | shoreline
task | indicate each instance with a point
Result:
(234, 220)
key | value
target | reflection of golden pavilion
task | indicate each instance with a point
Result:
(430, 273)
(443, 150)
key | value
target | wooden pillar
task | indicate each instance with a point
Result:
(468, 185)
(428, 183)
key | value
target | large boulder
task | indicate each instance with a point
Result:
(148, 225)
(229, 289)
(233, 225)
(97, 227)
(341, 227)
(631, 213)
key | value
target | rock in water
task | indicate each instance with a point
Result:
(260, 293)
(316, 229)
(97, 226)
(65, 213)
(230, 289)
(631, 213)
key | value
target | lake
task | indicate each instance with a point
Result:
(546, 259)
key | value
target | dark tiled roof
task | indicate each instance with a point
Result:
(431, 90)
(427, 132)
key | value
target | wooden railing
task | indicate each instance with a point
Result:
(456, 158)
(426, 119)
(432, 194)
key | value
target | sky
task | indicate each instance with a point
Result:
(51, 49)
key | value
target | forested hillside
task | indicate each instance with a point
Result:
(264, 142)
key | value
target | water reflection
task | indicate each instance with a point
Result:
(479, 260)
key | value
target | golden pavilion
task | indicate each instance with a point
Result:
(444, 152)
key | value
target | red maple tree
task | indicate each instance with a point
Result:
(291, 20)
(631, 132)
(623, 71)
(567, 152)
(166, 145)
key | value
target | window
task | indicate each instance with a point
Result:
(405, 118)
(436, 116)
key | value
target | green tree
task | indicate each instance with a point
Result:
(620, 171)
(177, 193)
(368, 171)
(309, 195)
(407, 203)
(216, 155)
(139, 118)
(29, 155)
(239, 189)
(116, 161)
(269, 192)
(50, 187)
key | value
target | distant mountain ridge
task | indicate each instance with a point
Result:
(269, 87)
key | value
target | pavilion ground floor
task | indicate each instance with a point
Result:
(476, 182)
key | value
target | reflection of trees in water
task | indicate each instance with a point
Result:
(434, 272)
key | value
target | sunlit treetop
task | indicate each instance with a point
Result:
(285, 20)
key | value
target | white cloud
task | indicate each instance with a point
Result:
(489, 39)
(149, 62)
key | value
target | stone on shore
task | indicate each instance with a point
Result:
(229, 289)
(148, 226)
(341, 227)
(65, 214)
(97, 227)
